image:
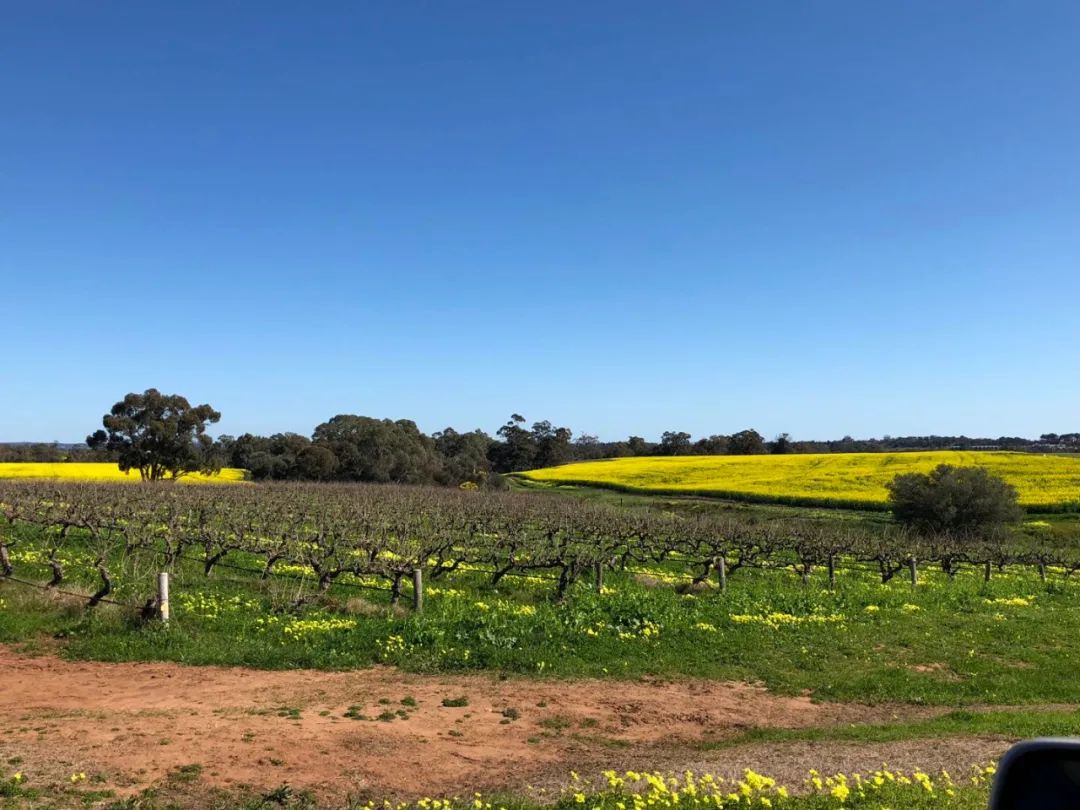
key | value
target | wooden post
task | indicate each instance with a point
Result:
(986, 572)
(1042, 571)
(832, 571)
(418, 589)
(598, 576)
(913, 568)
(163, 596)
(721, 572)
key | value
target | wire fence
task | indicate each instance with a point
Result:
(887, 570)
(73, 594)
(265, 574)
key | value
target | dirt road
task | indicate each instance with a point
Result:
(135, 723)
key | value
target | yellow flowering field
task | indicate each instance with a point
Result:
(70, 471)
(836, 479)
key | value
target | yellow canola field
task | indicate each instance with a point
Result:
(66, 471)
(827, 479)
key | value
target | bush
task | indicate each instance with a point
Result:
(958, 500)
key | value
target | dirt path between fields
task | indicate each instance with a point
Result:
(133, 724)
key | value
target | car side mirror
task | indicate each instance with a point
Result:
(1043, 774)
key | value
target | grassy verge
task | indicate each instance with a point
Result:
(1012, 724)
(729, 495)
(690, 502)
(629, 791)
(1014, 640)
(1066, 524)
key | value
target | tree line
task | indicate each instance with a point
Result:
(164, 436)
(361, 448)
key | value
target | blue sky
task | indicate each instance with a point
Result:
(820, 218)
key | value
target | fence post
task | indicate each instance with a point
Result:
(598, 576)
(418, 589)
(163, 596)
(721, 572)
(986, 572)
(913, 568)
(832, 571)
(1042, 571)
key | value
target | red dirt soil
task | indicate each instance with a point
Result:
(135, 723)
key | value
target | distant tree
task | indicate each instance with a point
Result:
(276, 457)
(675, 443)
(517, 450)
(846, 445)
(637, 446)
(960, 500)
(715, 445)
(315, 463)
(781, 444)
(464, 455)
(379, 450)
(162, 436)
(587, 447)
(1008, 442)
(49, 452)
(224, 446)
(746, 443)
(552, 444)
(251, 453)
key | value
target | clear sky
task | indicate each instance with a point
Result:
(626, 217)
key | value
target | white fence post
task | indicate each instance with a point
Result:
(163, 596)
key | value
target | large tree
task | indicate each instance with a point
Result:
(746, 443)
(517, 450)
(552, 444)
(715, 445)
(464, 456)
(781, 444)
(958, 500)
(163, 436)
(282, 456)
(379, 450)
(675, 443)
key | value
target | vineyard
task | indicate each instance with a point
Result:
(847, 480)
(461, 583)
(435, 579)
(358, 533)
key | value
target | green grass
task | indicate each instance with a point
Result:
(946, 643)
(689, 502)
(1011, 724)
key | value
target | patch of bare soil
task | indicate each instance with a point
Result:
(135, 723)
(938, 670)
